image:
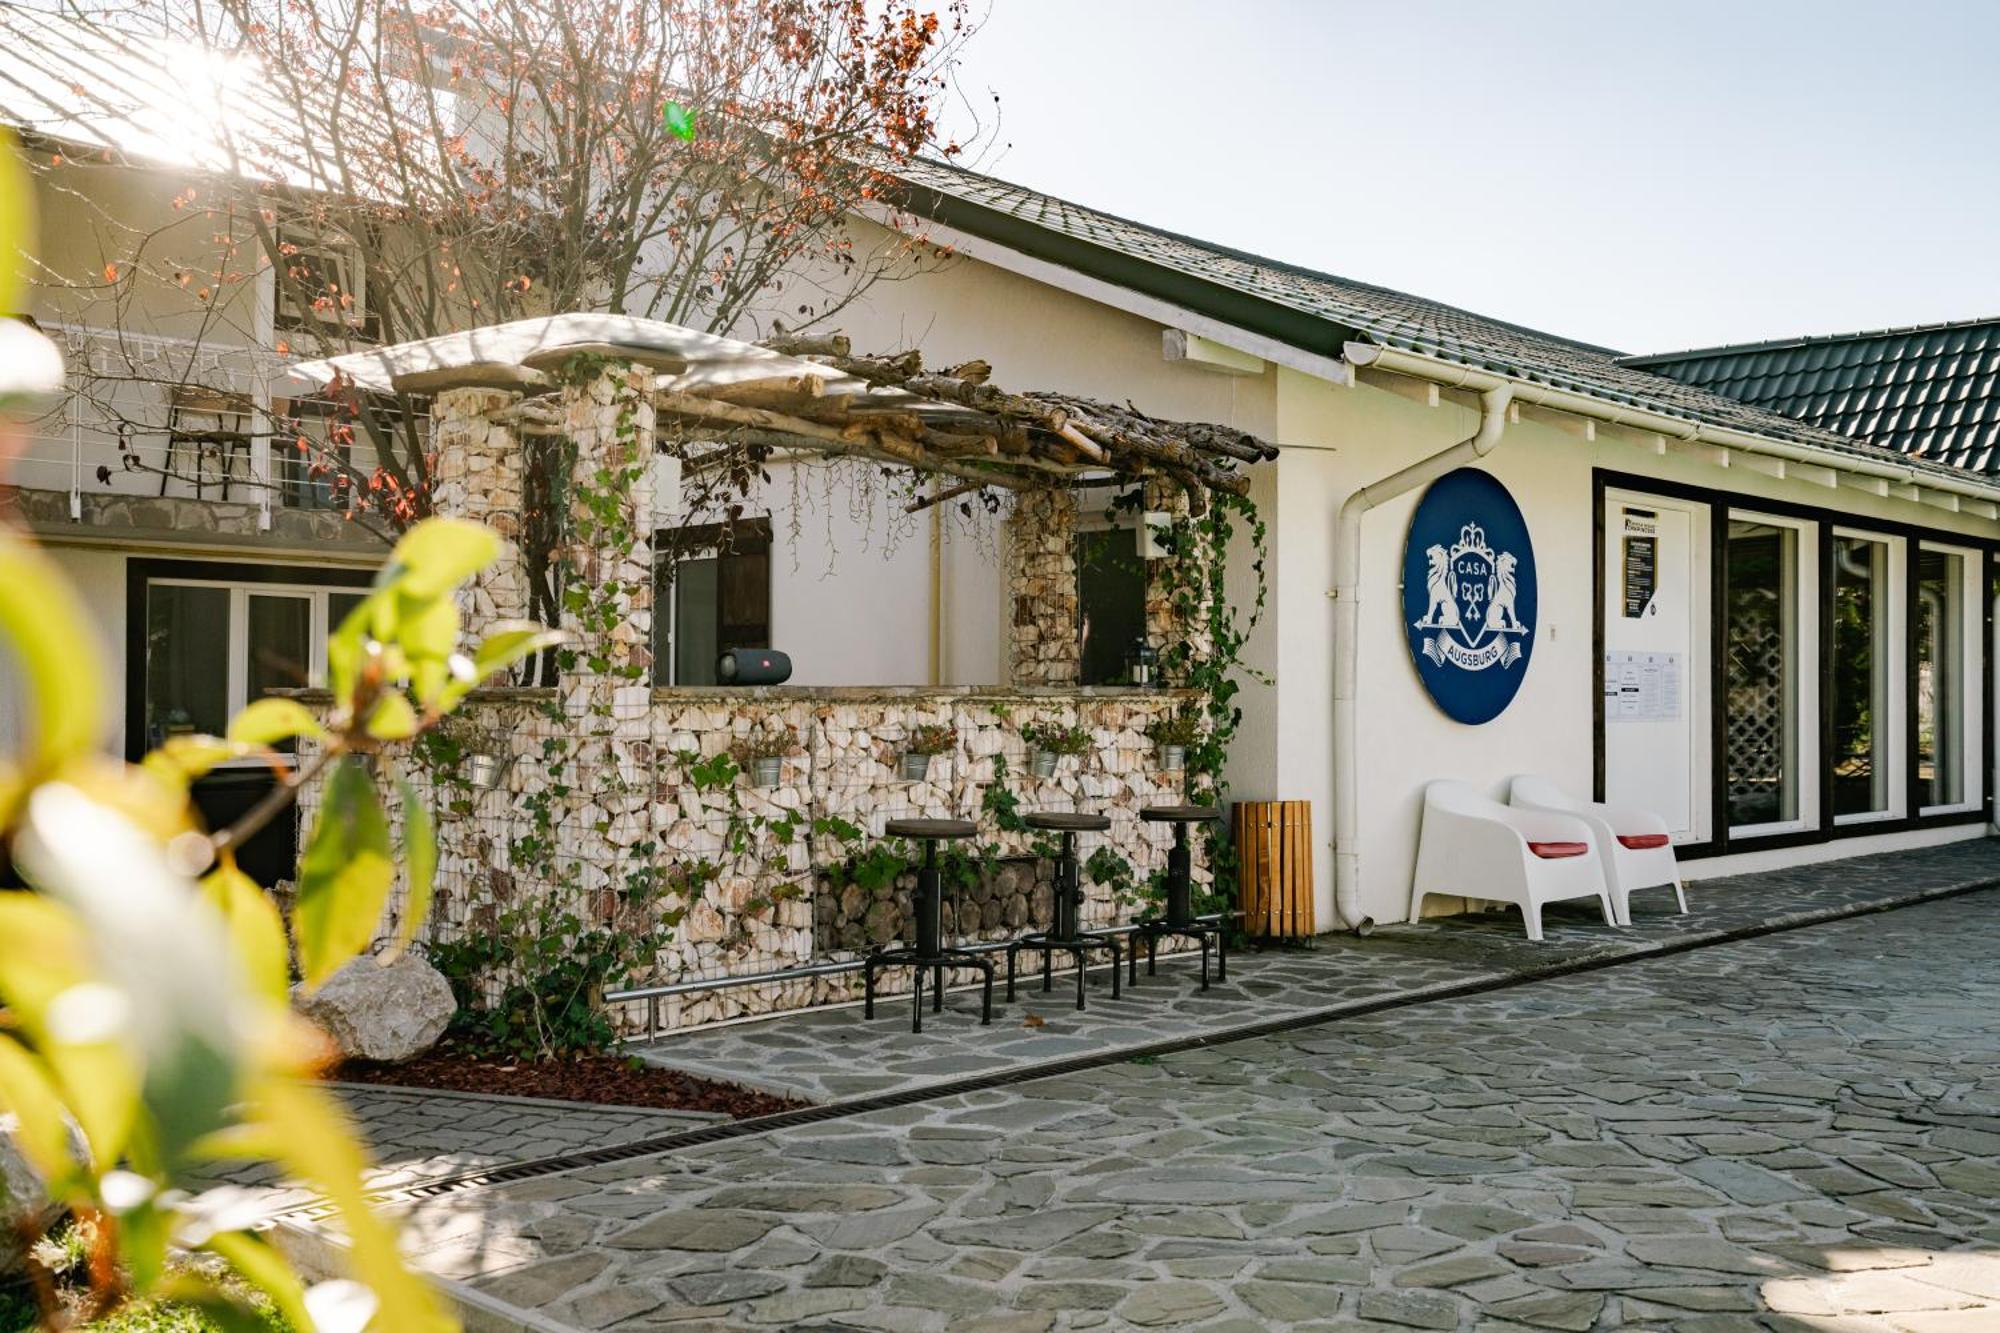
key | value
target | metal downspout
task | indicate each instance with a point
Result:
(1493, 404)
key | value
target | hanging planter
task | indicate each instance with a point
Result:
(761, 755)
(1171, 737)
(1049, 743)
(925, 742)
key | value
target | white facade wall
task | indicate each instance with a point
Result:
(1336, 438)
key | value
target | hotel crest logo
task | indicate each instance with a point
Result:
(1474, 595)
(1469, 595)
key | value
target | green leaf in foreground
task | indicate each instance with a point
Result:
(420, 851)
(344, 876)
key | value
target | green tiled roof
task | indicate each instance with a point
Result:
(1931, 391)
(1318, 312)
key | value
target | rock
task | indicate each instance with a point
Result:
(382, 1013)
(25, 1206)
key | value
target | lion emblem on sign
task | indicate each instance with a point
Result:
(1471, 607)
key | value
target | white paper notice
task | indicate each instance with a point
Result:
(1642, 687)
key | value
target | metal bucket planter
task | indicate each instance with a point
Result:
(1173, 758)
(1042, 763)
(915, 767)
(769, 769)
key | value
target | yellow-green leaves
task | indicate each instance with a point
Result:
(182, 759)
(438, 554)
(28, 1092)
(160, 989)
(319, 1148)
(47, 980)
(256, 930)
(46, 635)
(268, 721)
(420, 857)
(344, 876)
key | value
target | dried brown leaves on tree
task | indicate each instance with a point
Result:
(407, 171)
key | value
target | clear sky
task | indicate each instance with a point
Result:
(1648, 176)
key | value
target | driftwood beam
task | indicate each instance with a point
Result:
(810, 344)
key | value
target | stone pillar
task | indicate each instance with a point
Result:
(478, 474)
(1179, 638)
(608, 579)
(1044, 646)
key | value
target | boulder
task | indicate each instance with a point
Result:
(25, 1206)
(382, 1012)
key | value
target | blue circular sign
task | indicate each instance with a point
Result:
(1469, 598)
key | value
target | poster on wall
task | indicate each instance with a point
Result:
(1642, 687)
(1469, 595)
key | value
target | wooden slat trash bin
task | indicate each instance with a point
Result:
(1274, 851)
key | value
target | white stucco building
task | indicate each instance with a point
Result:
(1777, 637)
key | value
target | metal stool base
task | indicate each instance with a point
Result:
(1152, 932)
(1049, 946)
(956, 960)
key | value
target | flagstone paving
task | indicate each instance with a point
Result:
(830, 1055)
(1800, 1131)
(420, 1134)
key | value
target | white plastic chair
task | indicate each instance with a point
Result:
(1472, 846)
(1637, 852)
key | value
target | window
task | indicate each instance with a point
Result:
(337, 451)
(1764, 695)
(1941, 673)
(1111, 602)
(1864, 712)
(711, 593)
(212, 646)
(322, 284)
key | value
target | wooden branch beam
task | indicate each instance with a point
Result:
(807, 344)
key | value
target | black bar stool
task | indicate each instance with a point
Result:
(1067, 934)
(929, 950)
(1180, 918)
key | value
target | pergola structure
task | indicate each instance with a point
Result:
(813, 393)
(722, 407)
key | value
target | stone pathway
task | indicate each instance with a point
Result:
(830, 1055)
(1795, 1132)
(418, 1134)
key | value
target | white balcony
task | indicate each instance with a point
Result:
(194, 416)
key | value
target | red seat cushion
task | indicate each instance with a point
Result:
(1554, 851)
(1639, 842)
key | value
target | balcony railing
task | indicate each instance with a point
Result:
(194, 416)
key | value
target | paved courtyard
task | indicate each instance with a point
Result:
(415, 1136)
(830, 1055)
(1797, 1131)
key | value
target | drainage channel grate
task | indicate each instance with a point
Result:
(736, 1129)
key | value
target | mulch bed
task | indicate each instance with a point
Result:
(607, 1079)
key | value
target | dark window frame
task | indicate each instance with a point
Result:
(1719, 504)
(744, 538)
(140, 573)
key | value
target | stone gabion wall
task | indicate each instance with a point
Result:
(771, 902)
(479, 474)
(1044, 643)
